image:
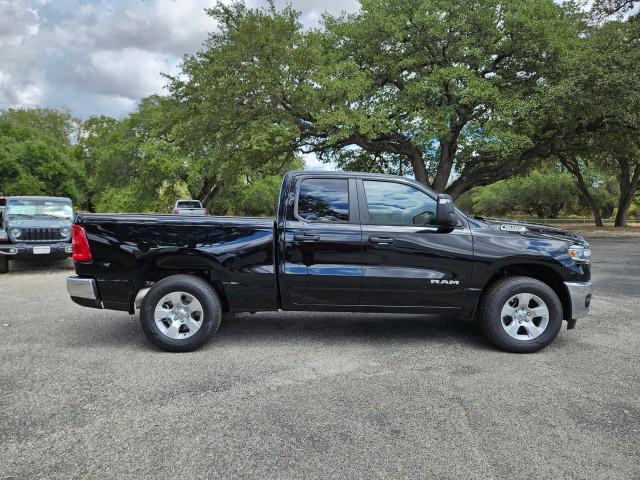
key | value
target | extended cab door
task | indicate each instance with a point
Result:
(321, 252)
(408, 262)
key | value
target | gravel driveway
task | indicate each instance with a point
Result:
(288, 395)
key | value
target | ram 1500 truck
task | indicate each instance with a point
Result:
(341, 241)
(35, 227)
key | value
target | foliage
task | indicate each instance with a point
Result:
(257, 198)
(458, 94)
(36, 155)
(421, 86)
(541, 194)
(597, 105)
(140, 164)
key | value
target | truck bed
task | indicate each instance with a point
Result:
(127, 249)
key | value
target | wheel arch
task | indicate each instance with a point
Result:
(156, 268)
(544, 273)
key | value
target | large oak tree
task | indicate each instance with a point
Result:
(453, 92)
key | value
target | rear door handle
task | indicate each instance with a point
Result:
(306, 238)
(381, 240)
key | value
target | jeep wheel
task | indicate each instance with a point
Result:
(4, 264)
(520, 314)
(180, 313)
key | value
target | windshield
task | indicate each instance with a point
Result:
(19, 207)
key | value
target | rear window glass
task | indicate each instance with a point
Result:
(189, 205)
(324, 200)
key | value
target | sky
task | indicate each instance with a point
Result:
(102, 56)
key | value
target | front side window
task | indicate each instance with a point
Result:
(324, 200)
(398, 204)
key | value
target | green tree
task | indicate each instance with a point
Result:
(36, 154)
(598, 106)
(544, 194)
(419, 86)
(143, 163)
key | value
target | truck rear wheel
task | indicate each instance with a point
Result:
(180, 313)
(4, 264)
(520, 314)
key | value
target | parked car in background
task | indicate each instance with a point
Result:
(341, 241)
(189, 207)
(35, 227)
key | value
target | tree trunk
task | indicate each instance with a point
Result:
(628, 187)
(445, 165)
(419, 170)
(448, 149)
(587, 197)
(574, 169)
(597, 217)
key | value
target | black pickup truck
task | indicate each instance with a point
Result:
(342, 241)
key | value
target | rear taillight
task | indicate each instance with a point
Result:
(176, 211)
(80, 245)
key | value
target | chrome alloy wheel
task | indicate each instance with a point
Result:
(178, 315)
(524, 316)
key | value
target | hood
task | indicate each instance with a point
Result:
(515, 227)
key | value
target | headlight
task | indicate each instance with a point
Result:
(580, 254)
(64, 232)
(15, 232)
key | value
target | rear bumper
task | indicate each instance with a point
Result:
(84, 291)
(20, 250)
(580, 295)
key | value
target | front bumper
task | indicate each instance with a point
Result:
(27, 249)
(580, 296)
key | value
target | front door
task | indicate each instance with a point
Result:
(322, 254)
(408, 262)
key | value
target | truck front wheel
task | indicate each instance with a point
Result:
(180, 313)
(4, 264)
(520, 314)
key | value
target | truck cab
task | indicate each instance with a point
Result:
(35, 227)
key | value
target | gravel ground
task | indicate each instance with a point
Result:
(289, 395)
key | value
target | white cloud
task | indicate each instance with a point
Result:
(103, 56)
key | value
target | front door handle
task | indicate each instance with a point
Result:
(381, 240)
(306, 238)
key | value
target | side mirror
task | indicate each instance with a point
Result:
(445, 212)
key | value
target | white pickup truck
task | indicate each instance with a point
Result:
(189, 207)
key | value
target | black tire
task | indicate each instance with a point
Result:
(200, 290)
(490, 314)
(4, 264)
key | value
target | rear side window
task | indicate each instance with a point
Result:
(324, 200)
(398, 204)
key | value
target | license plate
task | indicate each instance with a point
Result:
(41, 250)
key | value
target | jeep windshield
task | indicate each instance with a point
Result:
(32, 208)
